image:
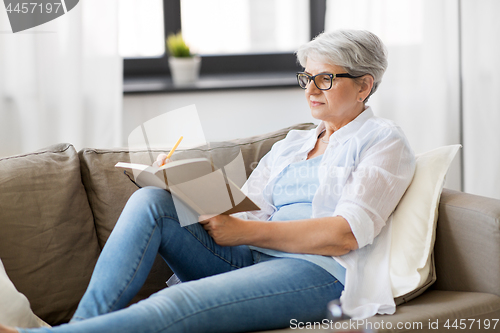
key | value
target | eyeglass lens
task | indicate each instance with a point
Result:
(322, 81)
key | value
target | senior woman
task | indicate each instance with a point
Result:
(326, 196)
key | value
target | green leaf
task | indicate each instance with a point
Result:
(177, 47)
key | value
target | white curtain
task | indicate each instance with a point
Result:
(62, 81)
(481, 87)
(420, 90)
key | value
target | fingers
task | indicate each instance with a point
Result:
(161, 157)
(205, 223)
(161, 160)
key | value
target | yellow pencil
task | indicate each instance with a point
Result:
(174, 148)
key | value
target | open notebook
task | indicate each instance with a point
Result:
(195, 181)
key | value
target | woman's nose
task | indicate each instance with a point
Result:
(311, 87)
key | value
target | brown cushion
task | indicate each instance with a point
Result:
(47, 240)
(108, 190)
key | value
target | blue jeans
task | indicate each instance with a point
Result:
(224, 289)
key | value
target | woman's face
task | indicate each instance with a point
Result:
(338, 105)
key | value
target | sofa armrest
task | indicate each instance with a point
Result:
(467, 248)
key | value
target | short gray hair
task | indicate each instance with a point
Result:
(360, 52)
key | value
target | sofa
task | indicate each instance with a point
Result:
(58, 207)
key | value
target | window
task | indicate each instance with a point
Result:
(141, 32)
(245, 26)
(232, 36)
(380, 17)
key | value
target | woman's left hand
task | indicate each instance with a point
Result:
(226, 230)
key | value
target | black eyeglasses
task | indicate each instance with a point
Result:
(323, 81)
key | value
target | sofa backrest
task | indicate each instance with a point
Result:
(467, 248)
(48, 242)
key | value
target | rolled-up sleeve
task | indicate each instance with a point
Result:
(385, 168)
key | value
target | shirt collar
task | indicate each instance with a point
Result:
(347, 131)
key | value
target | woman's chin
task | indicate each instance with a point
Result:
(319, 113)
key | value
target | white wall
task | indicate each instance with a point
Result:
(224, 114)
(481, 87)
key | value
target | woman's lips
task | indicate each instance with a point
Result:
(314, 103)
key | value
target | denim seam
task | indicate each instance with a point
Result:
(215, 254)
(245, 300)
(199, 240)
(140, 262)
(168, 217)
(135, 273)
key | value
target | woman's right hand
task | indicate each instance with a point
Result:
(161, 160)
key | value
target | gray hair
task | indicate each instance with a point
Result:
(360, 52)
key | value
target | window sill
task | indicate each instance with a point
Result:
(151, 85)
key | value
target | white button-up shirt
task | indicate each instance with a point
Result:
(364, 172)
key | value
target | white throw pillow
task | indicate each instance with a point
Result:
(15, 308)
(414, 225)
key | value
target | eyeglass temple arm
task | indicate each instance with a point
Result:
(346, 75)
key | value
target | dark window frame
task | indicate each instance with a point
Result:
(222, 64)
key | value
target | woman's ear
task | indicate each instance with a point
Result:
(365, 86)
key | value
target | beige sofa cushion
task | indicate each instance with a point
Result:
(108, 190)
(467, 249)
(433, 311)
(48, 243)
(414, 225)
(15, 308)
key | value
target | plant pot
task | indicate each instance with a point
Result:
(185, 71)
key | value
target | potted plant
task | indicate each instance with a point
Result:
(184, 65)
